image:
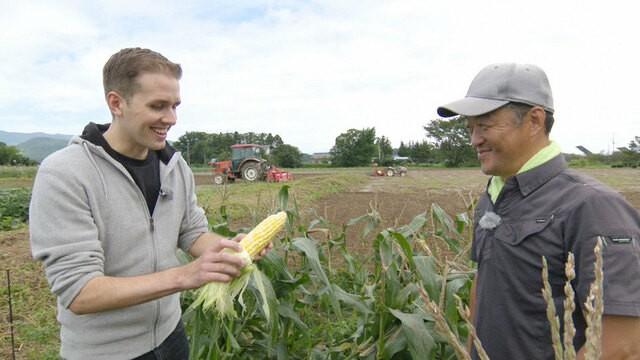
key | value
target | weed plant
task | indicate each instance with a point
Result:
(14, 208)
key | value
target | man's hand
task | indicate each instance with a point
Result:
(213, 264)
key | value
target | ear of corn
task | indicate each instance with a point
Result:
(220, 295)
(261, 235)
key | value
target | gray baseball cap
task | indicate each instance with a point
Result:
(499, 84)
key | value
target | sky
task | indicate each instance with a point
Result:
(310, 70)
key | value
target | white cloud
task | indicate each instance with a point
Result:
(309, 71)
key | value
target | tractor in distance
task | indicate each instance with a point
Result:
(390, 171)
(247, 163)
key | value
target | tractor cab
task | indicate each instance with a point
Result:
(240, 153)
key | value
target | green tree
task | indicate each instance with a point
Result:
(199, 147)
(286, 156)
(404, 150)
(422, 152)
(634, 145)
(10, 155)
(452, 141)
(191, 146)
(385, 151)
(354, 148)
(627, 156)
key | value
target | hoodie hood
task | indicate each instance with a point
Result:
(94, 133)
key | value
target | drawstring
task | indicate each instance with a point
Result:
(95, 165)
(186, 191)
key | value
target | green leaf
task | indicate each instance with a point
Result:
(426, 271)
(416, 224)
(265, 293)
(350, 299)
(414, 329)
(286, 310)
(405, 246)
(394, 343)
(443, 218)
(310, 249)
(403, 296)
(384, 250)
(462, 221)
(283, 198)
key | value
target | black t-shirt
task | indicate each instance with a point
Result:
(145, 173)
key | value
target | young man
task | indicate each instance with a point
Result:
(108, 213)
(534, 207)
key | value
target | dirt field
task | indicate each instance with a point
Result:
(397, 199)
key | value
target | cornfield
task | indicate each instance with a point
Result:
(314, 298)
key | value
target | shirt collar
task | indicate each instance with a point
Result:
(529, 180)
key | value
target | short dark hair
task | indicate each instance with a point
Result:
(121, 70)
(520, 109)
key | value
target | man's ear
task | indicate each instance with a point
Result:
(537, 117)
(115, 103)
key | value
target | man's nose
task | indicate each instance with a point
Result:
(171, 116)
(476, 137)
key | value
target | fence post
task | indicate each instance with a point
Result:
(13, 344)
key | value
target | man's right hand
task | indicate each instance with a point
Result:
(213, 264)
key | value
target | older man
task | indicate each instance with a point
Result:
(533, 207)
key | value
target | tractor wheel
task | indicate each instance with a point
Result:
(219, 179)
(403, 173)
(251, 172)
(390, 172)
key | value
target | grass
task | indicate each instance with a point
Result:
(34, 322)
(17, 171)
(16, 176)
(249, 202)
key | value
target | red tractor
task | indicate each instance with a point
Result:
(390, 171)
(247, 163)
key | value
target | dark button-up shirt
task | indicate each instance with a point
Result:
(549, 211)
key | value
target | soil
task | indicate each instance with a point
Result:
(397, 200)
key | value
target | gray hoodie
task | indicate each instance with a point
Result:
(88, 218)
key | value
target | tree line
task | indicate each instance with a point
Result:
(625, 156)
(10, 155)
(446, 142)
(198, 148)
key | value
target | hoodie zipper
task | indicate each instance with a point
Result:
(154, 251)
(152, 231)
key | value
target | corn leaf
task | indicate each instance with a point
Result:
(285, 310)
(350, 299)
(426, 271)
(414, 329)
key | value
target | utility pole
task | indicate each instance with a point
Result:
(188, 153)
(611, 145)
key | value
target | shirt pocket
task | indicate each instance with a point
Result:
(621, 266)
(516, 232)
(521, 244)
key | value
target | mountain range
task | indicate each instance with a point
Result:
(35, 146)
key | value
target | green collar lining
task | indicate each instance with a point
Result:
(545, 154)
